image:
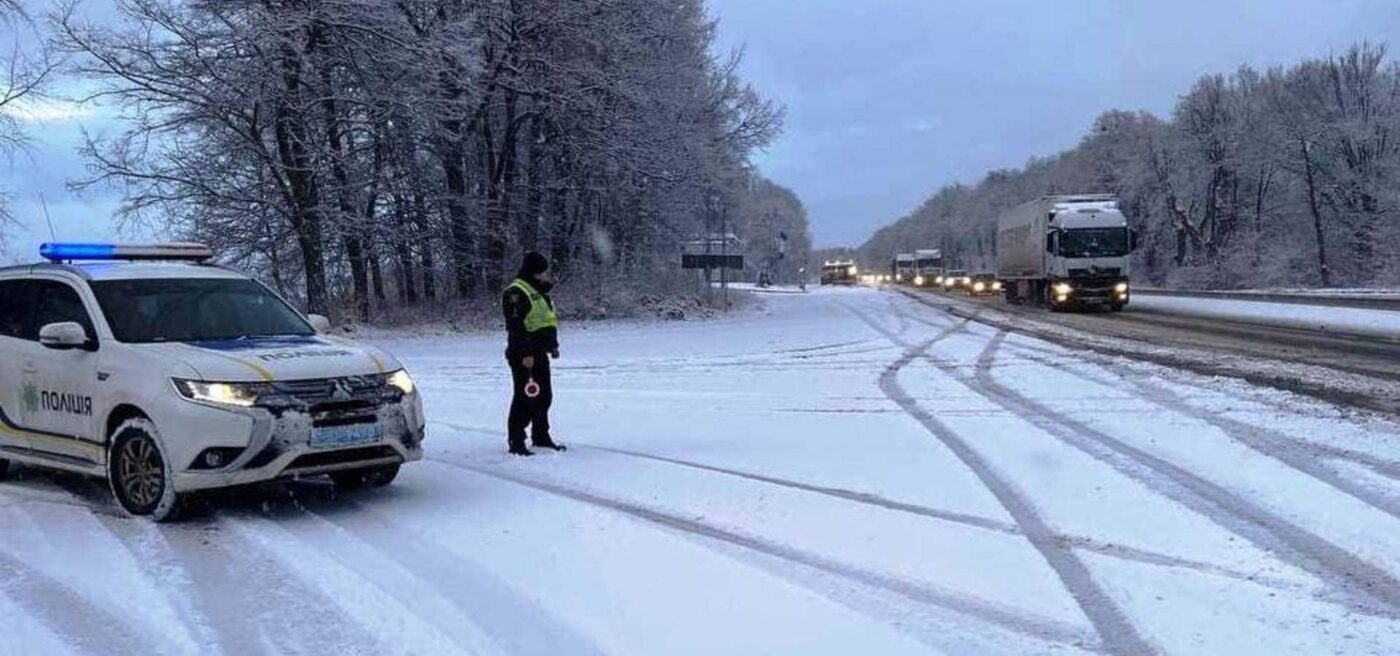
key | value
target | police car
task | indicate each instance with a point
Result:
(165, 374)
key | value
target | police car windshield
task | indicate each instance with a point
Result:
(194, 310)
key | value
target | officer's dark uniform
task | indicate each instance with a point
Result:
(532, 331)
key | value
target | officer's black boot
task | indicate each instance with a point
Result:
(548, 443)
(520, 450)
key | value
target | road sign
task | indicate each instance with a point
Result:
(712, 261)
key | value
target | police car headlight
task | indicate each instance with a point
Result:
(402, 380)
(240, 395)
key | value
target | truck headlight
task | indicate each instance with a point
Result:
(1121, 288)
(402, 380)
(977, 287)
(238, 395)
(996, 286)
(918, 281)
(1063, 288)
(853, 271)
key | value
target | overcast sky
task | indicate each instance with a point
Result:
(887, 99)
(890, 99)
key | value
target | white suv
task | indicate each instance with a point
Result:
(163, 374)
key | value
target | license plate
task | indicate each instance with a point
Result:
(350, 435)
(1091, 301)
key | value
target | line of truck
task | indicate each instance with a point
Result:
(1060, 251)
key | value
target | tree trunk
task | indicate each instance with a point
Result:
(1324, 272)
(292, 136)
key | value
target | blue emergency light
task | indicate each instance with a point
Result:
(70, 252)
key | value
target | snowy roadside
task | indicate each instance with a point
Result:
(1368, 323)
(843, 471)
(487, 321)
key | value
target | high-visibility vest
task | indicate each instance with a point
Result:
(541, 314)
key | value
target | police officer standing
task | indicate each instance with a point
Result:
(532, 330)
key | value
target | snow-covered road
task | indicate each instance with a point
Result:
(846, 471)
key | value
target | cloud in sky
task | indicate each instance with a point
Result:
(887, 99)
(890, 99)
(49, 110)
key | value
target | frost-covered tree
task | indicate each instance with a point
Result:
(374, 152)
(1286, 177)
(25, 67)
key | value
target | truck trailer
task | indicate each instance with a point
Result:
(928, 267)
(1068, 251)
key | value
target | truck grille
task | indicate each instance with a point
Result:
(1106, 272)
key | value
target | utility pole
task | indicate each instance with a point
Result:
(724, 252)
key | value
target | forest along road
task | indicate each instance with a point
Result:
(1350, 370)
(848, 470)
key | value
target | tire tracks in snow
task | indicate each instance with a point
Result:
(1156, 393)
(269, 608)
(1117, 632)
(979, 609)
(1364, 586)
(88, 627)
(1295, 453)
(497, 609)
(1110, 549)
(1101, 547)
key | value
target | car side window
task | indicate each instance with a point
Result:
(16, 309)
(57, 302)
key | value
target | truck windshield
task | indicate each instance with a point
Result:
(194, 310)
(1094, 242)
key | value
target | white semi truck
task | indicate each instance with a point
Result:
(904, 268)
(1066, 252)
(928, 267)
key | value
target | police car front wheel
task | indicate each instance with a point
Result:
(139, 473)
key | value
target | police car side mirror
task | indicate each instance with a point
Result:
(319, 322)
(64, 335)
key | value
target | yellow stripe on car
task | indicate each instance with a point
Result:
(263, 372)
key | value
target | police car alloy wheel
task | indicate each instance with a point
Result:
(140, 476)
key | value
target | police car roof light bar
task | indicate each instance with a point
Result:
(69, 252)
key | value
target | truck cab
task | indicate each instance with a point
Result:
(840, 272)
(1087, 250)
(1066, 252)
(928, 267)
(904, 268)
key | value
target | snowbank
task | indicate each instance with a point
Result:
(1374, 324)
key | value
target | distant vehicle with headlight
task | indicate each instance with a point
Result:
(956, 279)
(840, 272)
(983, 284)
(928, 267)
(1066, 252)
(164, 374)
(903, 268)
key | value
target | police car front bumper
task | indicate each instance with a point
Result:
(290, 443)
